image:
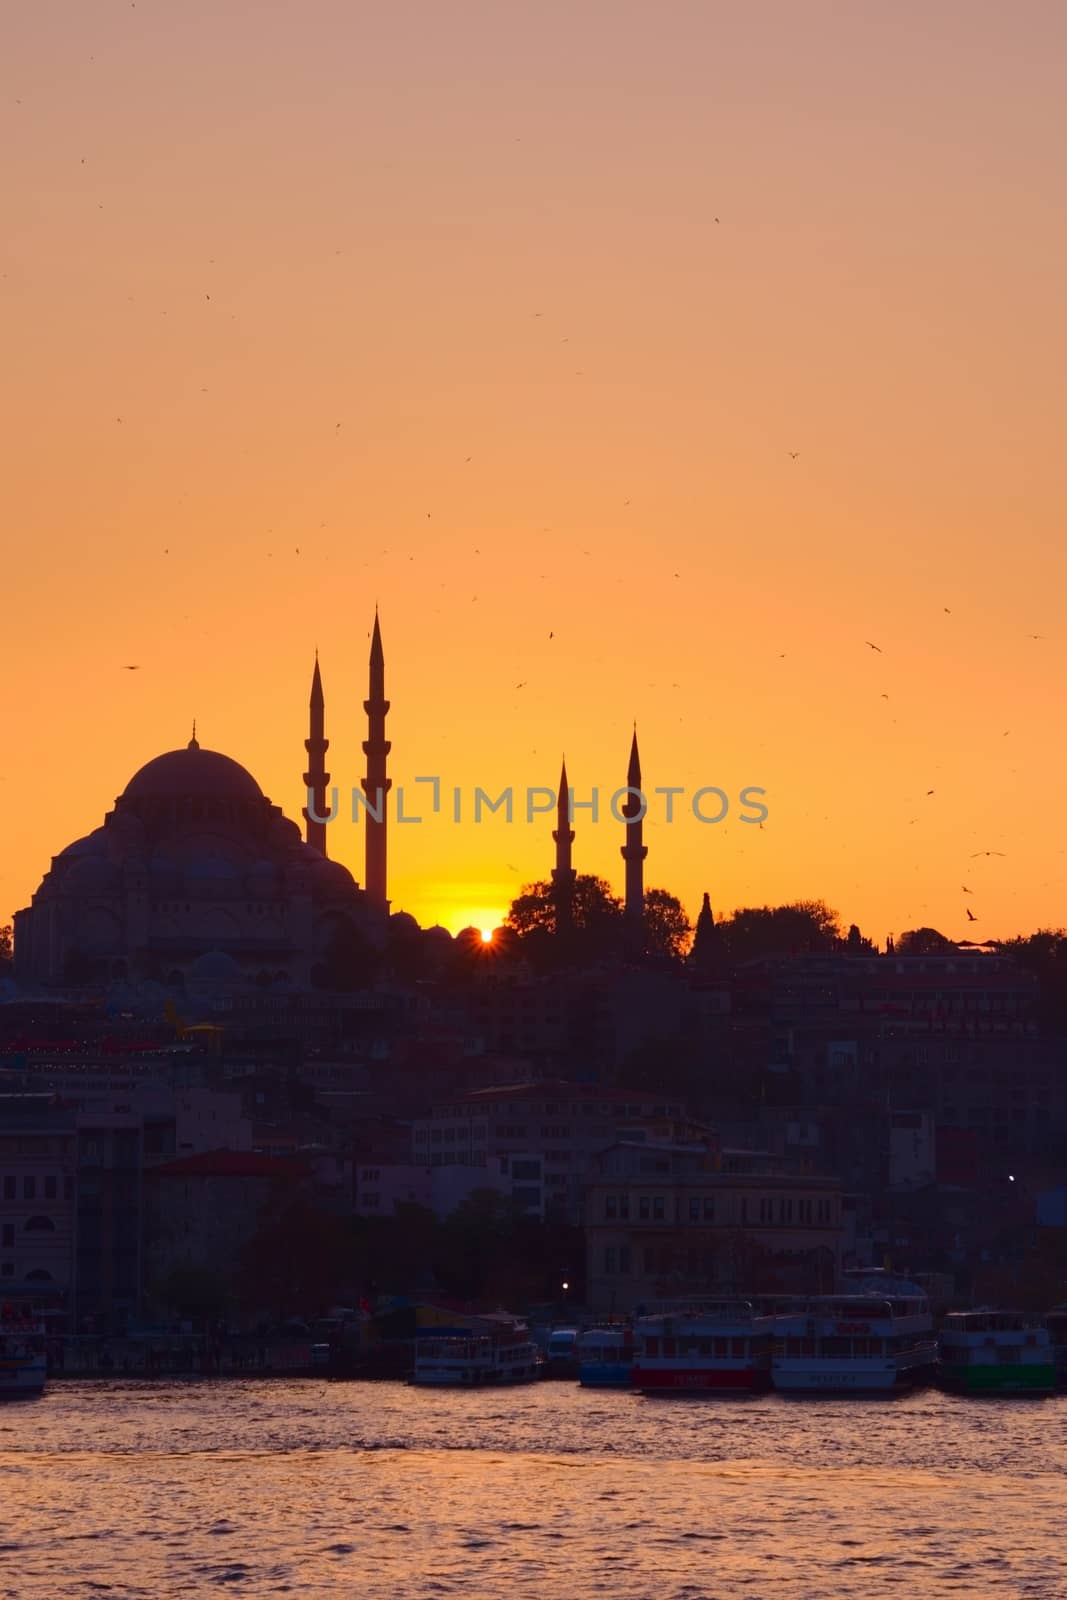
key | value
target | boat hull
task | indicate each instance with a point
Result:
(468, 1379)
(1038, 1378)
(701, 1380)
(607, 1375)
(876, 1377)
(22, 1377)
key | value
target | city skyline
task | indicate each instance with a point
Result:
(656, 374)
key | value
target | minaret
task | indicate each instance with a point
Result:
(634, 850)
(316, 777)
(705, 938)
(563, 874)
(376, 785)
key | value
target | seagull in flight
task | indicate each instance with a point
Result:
(131, 669)
(987, 853)
(870, 646)
(970, 914)
(793, 454)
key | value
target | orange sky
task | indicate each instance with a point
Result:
(272, 273)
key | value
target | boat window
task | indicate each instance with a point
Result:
(722, 1347)
(740, 1347)
(651, 1345)
(669, 1347)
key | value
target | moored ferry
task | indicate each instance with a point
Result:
(703, 1347)
(492, 1349)
(561, 1353)
(997, 1352)
(23, 1362)
(854, 1344)
(606, 1358)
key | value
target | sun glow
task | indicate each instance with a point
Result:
(487, 935)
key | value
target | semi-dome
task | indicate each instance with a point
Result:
(94, 844)
(193, 773)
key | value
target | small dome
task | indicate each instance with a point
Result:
(214, 966)
(330, 877)
(193, 773)
(94, 844)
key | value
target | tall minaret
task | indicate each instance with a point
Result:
(316, 777)
(634, 850)
(376, 785)
(563, 874)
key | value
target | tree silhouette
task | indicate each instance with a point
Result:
(667, 928)
(924, 942)
(596, 923)
(7, 948)
(806, 927)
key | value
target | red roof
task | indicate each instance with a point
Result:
(231, 1164)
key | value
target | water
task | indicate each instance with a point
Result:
(316, 1489)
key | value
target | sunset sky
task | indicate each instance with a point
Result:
(652, 356)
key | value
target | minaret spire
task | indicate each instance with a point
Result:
(563, 874)
(635, 850)
(316, 777)
(376, 784)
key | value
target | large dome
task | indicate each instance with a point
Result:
(193, 773)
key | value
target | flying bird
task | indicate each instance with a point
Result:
(873, 646)
(986, 853)
(970, 914)
(552, 636)
(884, 697)
(131, 669)
(929, 792)
(793, 454)
(965, 889)
(521, 685)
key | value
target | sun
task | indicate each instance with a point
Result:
(487, 935)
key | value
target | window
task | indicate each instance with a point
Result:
(694, 1210)
(40, 1225)
(610, 1208)
(766, 1209)
(624, 1208)
(624, 1258)
(9, 1188)
(7, 1269)
(51, 1188)
(644, 1208)
(29, 1188)
(609, 1259)
(709, 1208)
(7, 1235)
(657, 1208)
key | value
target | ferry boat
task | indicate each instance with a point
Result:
(23, 1362)
(1056, 1323)
(561, 1353)
(493, 1349)
(997, 1352)
(606, 1358)
(703, 1347)
(855, 1344)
